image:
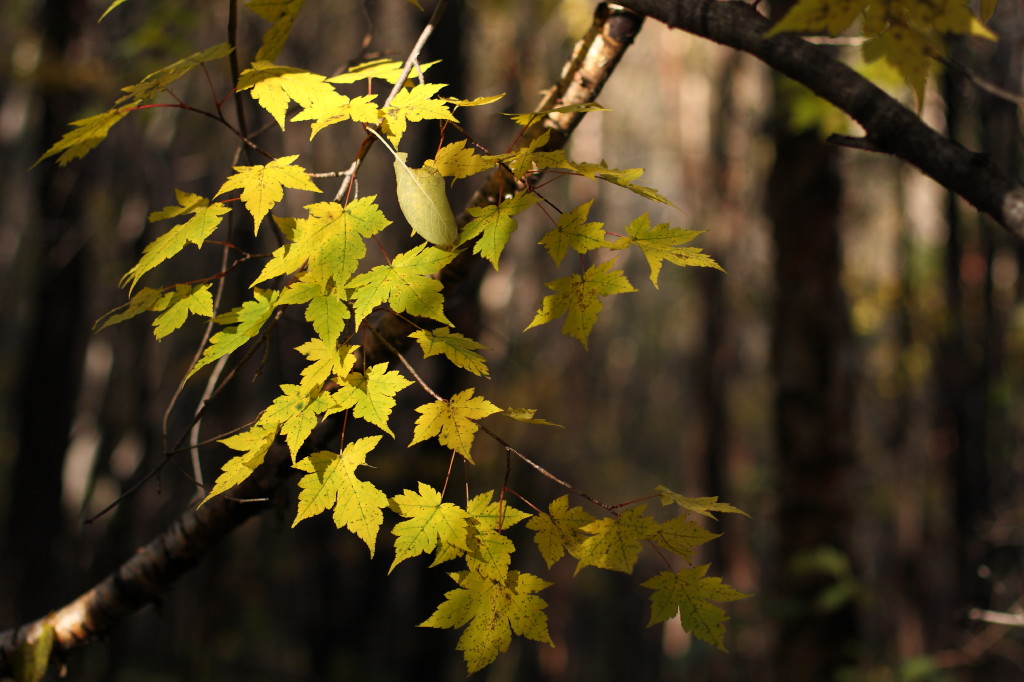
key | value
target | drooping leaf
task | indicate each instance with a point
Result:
(494, 225)
(492, 609)
(573, 231)
(332, 484)
(578, 297)
(453, 421)
(247, 320)
(374, 393)
(263, 186)
(156, 82)
(456, 161)
(526, 415)
(663, 243)
(143, 301)
(85, 134)
(490, 550)
(424, 203)
(429, 522)
(110, 8)
(330, 242)
(533, 157)
(176, 306)
(705, 506)
(614, 543)
(691, 594)
(623, 177)
(281, 14)
(206, 218)
(406, 284)
(254, 444)
(558, 531)
(274, 87)
(459, 349)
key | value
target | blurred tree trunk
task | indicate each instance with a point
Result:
(814, 458)
(49, 373)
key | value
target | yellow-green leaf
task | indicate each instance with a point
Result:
(573, 230)
(705, 506)
(374, 395)
(281, 14)
(494, 225)
(415, 104)
(156, 82)
(456, 161)
(558, 530)
(453, 421)
(254, 444)
(385, 69)
(429, 522)
(263, 186)
(406, 284)
(85, 134)
(424, 203)
(32, 656)
(326, 360)
(690, 594)
(275, 87)
(176, 306)
(461, 350)
(614, 543)
(250, 318)
(141, 302)
(663, 243)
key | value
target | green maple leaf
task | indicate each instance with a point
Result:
(405, 284)
(461, 350)
(156, 82)
(85, 134)
(492, 609)
(705, 506)
(453, 421)
(275, 87)
(263, 186)
(558, 531)
(682, 536)
(429, 523)
(532, 157)
(176, 306)
(143, 301)
(247, 320)
(373, 394)
(690, 594)
(614, 543)
(330, 242)
(327, 360)
(573, 230)
(331, 483)
(206, 218)
(494, 225)
(662, 243)
(281, 14)
(254, 444)
(414, 104)
(456, 161)
(578, 297)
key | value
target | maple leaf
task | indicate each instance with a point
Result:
(143, 301)
(456, 161)
(494, 225)
(614, 543)
(429, 522)
(415, 104)
(385, 69)
(338, 110)
(206, 218)
(177, 304)
(530, 117)
(819, 16)
(254, 444)
(295, 411)
(263, 186)
(490, 552)
(461, 350)
(453, 421)
(623, 177)
(405, 284)
(281, 14)
(327, 312)
(86, 133)
(526, 415)
(705, 506)
(690, 594)
(331, 483)
(492, 609)
(247, 320)
(274, 87)
(373, 397)
(662, 243)
(682, 536)
(573, 230)
(532, 157)
(330, 242)
(578, 297)
(558, 531)
(326, 360)
(156, 82)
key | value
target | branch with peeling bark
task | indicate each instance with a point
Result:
(155, 567)
(889, 126)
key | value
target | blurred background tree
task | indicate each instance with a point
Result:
(852, 382)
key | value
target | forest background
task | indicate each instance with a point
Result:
(852, 382)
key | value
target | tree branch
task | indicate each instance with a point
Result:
(890, 127)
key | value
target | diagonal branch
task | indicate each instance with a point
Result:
(890, 127)
(155, 567)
